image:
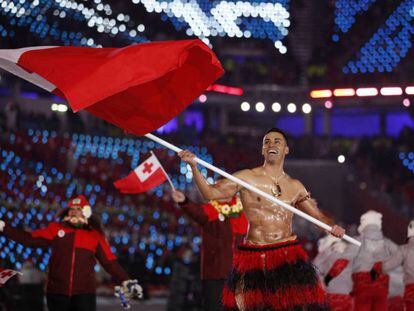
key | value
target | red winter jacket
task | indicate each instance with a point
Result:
(74, 254)
(219, 240)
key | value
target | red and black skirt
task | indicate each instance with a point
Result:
(273, 277)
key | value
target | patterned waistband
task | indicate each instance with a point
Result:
(267, 247)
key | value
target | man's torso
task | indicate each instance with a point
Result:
(268, 222)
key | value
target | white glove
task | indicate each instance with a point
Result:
(2, 224)
(130, 288)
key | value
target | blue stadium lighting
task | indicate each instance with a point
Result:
(346, 12)
(125, 240)
(149, 263)
(407, 159)
(242, 19)
(388, 46)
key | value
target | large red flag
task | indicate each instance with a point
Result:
(138, 88)
(146, 176)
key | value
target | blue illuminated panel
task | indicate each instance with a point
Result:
(407, 160)
(396, 122)
(194, 119)
(346, 11)
(240, 19)
(349, 123)
(354, 123)
(388, 46)
(266, 20)
(36, 16)
(294, 125)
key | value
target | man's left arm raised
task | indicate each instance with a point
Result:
(306, 204)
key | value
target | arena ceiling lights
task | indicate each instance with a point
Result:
(276, 107)
(362, 92)
(230, 90)
(390, 41)
(268, 19)
(35, 15)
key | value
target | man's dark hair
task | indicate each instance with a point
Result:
(278, 130)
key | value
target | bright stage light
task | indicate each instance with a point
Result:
(344, 92)
(391, 91)
(409, 90)
(321, 93)
(306, 108)
(260, 107)
(328, 104)
(367, 91)
(245, 106)
(62, 108)
(291, 108)
(341, 159)
(276, 107)
(202, 98)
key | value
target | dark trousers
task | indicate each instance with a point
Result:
(211, 291)
(84, 302)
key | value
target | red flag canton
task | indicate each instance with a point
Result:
(146, 176)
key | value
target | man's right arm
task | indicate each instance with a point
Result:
(38, 238)
(195, 211)
(223, 189)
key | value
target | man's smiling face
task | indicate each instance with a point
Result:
(274, 147)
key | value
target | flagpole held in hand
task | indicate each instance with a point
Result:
(168, 177)
(254, 189)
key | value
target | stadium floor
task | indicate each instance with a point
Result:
(156, 304)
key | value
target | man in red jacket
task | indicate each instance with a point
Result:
(76, 242)
(220, 235)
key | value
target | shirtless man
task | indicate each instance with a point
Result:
(271, 270)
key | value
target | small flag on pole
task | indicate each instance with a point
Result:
(146, 176)
(6, 274)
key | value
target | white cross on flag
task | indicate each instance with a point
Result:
(6, 274)
(147, 175)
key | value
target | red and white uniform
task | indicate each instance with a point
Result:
(334, 267)
(405, 256)
(74, 255)
(371, 293)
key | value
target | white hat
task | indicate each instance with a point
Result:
(370, 218)
(410, 230)
(326, 242)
